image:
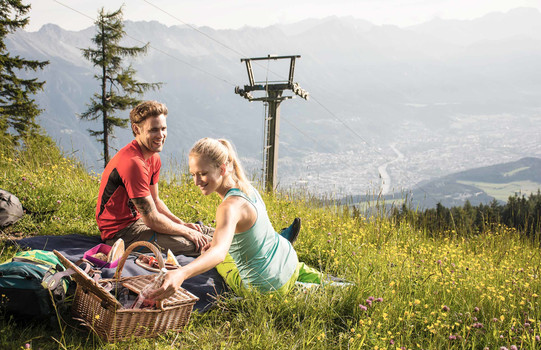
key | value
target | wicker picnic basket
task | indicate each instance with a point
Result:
(105, 315)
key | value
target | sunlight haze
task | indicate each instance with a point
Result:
(236, 14)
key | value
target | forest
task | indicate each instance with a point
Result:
(520, 212)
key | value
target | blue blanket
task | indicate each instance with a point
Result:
(205, 286)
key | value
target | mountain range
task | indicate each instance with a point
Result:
(447, 95)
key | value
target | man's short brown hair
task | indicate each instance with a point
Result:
(147, 109)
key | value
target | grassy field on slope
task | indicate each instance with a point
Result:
(412, 289)
(502, 191)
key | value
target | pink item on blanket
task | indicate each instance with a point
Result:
(90, 255)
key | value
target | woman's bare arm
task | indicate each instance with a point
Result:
(227, 218)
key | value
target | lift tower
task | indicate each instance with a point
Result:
(274, 91)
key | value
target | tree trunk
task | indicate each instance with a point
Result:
(104, 104)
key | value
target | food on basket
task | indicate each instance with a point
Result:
(101, 256)
(171, 258)
(150, 263)
(149, 260)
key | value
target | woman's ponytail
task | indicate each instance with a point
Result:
(238, 171)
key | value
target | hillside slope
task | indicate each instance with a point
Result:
(409, 288)
(480, 185)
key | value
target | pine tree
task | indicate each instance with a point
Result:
(18, 111)
(117, 82)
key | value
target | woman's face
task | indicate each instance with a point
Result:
(205, 174)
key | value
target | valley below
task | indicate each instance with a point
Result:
(419, 154)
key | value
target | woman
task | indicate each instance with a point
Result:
(259, 258)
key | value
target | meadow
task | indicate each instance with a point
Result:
(412, 288)
(501, 191)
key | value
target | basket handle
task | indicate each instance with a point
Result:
(152, 247)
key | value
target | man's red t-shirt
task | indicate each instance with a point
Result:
(127, 175)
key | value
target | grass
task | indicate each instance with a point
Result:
(502, 191)
(414, 289)
(516, 171)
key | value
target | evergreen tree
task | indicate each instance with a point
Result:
(117, 82)
(18, 111)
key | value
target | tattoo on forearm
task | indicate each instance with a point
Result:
(143, 205)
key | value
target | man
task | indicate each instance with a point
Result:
(129, 206)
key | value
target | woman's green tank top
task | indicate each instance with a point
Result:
(265, 259)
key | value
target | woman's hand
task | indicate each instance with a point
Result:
(173, 280)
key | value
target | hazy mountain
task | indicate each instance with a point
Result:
(520, 22)
(447, 95)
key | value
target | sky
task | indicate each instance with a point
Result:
(228, 14)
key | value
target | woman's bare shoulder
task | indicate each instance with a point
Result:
(239, 207)
(233, 202)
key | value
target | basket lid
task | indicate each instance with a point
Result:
(181, 296)
(84, 280)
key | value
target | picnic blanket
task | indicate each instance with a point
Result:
(205, 286)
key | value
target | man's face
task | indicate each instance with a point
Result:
(151, 134)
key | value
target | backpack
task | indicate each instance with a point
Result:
(11, 209)
(24, 283)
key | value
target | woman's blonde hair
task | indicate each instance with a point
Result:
(221, 152)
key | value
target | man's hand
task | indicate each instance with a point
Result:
(160, 223)
(206, 247)
(198, 239)
(193, 226)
